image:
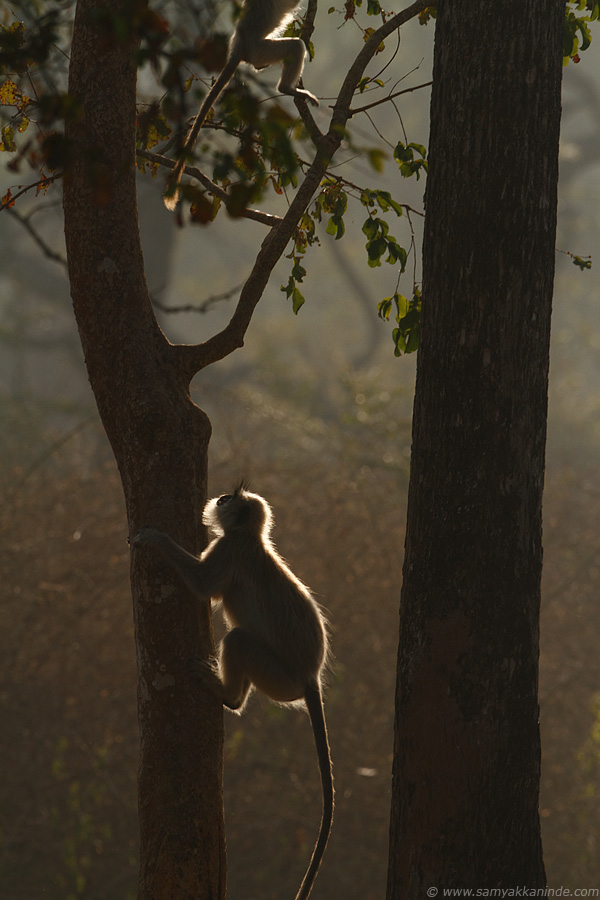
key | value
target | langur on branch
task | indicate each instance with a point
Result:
(255, 41)
(277, 638)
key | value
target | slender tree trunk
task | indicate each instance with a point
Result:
(467, 747)
(160, 441)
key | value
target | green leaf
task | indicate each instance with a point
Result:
(396, 254)
(401, 306)
(288, 289)
(386, 202)
(585, 34)
(297, 301)
(377, 158)
(384, 308)
(419, 148)
(370, 228)
(412, 341)
(336, 227)
(298, 271)
(375, 250)
(8, 140)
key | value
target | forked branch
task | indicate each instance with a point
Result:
(191, 358)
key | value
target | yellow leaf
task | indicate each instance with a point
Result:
(7, 200)
(9, 93)
(8, 142)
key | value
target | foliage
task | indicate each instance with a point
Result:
(582, 262)
(408, 318)
(381, 246)
(251, 149)
(578, 36)
(254, 148)
(33, 103)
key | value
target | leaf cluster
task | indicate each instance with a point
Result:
(32, 103)
(578, 37)
(411, 159)
(408, 320)
(331, 204)
(22, 47)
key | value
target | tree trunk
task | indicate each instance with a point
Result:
(160, 441)
(467, 747)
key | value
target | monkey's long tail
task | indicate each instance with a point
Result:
(171, 195)
(314, 703)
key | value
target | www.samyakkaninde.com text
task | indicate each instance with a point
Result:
(506, 893)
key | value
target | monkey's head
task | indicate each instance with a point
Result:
(242, 509)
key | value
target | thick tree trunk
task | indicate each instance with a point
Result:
(467, 747)
(160, 441)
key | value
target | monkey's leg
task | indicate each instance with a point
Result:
(244, 660)
(289, 51)
(209, 671)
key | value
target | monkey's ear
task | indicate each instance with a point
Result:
(242, 486)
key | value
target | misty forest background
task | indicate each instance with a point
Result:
(315, 412)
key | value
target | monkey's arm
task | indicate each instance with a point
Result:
(200, 575)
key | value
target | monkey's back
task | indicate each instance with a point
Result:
(266, 598)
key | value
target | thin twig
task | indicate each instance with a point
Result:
(417, 87)
(49, 451)
(43, 182)
(39, 240)
(203, 307)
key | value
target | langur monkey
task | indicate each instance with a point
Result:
(255, 41)
(277, 640)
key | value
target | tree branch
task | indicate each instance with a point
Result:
(308, 121)
(367, 52)
(255, 214)
(308, 25)
(191, 358)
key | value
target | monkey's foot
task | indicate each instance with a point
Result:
(206, 670)
(146, 536)
(301, 94)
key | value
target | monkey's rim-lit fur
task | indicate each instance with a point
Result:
(277, 638)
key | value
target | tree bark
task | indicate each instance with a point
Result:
(467, 747)
(160, 440)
